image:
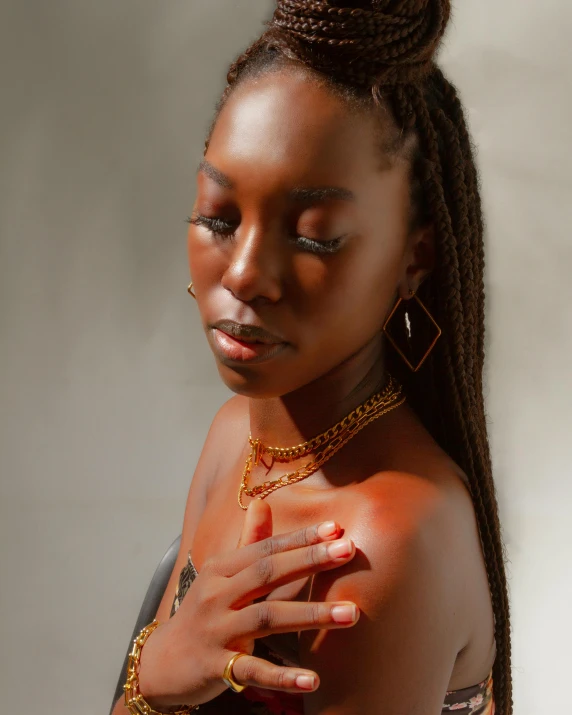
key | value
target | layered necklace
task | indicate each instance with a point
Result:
(325, 445)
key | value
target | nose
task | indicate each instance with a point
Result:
(256, 265)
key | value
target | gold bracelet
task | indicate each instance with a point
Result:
(134, 701)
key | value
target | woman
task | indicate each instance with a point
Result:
(336, 254)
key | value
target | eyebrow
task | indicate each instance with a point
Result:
(300, 193)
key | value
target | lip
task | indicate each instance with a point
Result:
(258, 346)
(247, 332)
(231, 348)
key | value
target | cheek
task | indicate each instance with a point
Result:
(381, 262)
(206, 262)
(351, 292)
(189, 249)
(354, 291)
(381, 274)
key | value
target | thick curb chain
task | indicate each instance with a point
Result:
(378, 405)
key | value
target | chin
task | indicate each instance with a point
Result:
(269, 377)
(251, 381)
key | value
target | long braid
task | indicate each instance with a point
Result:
(461, 352)
(465, 375)
(376, 52)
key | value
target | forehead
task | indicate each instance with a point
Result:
(288, 125)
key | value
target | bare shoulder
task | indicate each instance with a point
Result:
(411, 540)
(230, 415)
(433, 508)
(422, 531)
(228, 429)
(416, 513)
(224, 426)
(407, 526)
(226, 422)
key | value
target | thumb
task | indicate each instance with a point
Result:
(257, 523)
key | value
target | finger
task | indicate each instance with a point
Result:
(257, 672)
(232, 562)
(262, 619)
(273, 571)
(257, 523)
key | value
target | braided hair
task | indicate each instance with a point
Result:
(380, 53)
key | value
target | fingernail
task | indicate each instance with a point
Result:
(344, 614)
(339, 549)
(328, 528)
(305, 681)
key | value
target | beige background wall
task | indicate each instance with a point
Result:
(107, 386)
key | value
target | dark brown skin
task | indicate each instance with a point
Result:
(418, 574)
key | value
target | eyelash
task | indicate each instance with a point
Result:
(223, 230)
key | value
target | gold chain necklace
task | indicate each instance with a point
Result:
(333, 439)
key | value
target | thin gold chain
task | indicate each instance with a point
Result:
(335, 438)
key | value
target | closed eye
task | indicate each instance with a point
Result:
(216, 226)
(225, 230)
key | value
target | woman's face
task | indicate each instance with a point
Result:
(300, 227)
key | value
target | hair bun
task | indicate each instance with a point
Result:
(365, 42)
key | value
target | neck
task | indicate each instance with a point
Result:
(300, 415)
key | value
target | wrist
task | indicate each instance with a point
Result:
(151, 685)
(143, 690)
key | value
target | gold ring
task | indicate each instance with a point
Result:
(227, 675)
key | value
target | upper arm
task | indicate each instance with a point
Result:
(398, 658)
(203, 476)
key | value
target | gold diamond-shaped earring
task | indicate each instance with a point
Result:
(399, 331)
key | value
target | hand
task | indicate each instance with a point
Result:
(184, 658)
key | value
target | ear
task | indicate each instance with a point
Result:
(418, 261)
